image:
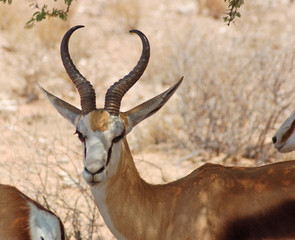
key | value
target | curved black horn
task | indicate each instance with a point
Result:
(116, 92)
(85, 89)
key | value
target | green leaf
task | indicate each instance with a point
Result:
(40, 17)
(232, 12)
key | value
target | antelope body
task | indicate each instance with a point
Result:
(214, 202)
(22, 218)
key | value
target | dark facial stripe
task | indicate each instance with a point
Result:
(109, 154)
(115, 140)
(62, 230)
(289, 132)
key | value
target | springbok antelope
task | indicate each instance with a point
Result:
(214, 202)
(22, 218)
(284, 138)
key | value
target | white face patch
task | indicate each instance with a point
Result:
(101, 148)
(289, 145)
(44, 225)
(285, 135)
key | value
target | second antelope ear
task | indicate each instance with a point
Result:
(148, 108)
(67, 110)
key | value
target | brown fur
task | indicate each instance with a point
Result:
(214, 202)
(125, 120)
(99, 120)
(14, 214)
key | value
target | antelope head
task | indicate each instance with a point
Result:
(102, 130)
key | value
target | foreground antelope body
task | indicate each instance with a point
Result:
(212, 203)
(21, 218)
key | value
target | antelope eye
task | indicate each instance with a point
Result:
(81, 137)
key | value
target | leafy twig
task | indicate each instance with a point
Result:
(233, 6)
(43, 13)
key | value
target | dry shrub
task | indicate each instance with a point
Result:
(234, 91)
(230, 104)
(237, 84)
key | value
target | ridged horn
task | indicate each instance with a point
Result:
(84, 87)
(116, 92)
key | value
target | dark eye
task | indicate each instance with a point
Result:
(80, 136)
(117, 139)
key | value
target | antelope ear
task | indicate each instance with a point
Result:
(67, 110)
(148, 108)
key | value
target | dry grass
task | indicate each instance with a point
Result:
(236, 91)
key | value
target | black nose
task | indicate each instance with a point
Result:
(86, 170)
(97, 172)
(274, 139)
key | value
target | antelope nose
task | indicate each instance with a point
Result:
(96, 172)
(274, 139)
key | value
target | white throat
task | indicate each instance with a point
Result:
(99, 190)
(99, 194)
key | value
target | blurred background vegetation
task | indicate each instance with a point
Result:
(42, 12)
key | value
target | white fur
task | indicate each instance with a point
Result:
(43, 225)
(97, 145)
(98, 192)
(289, 144)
